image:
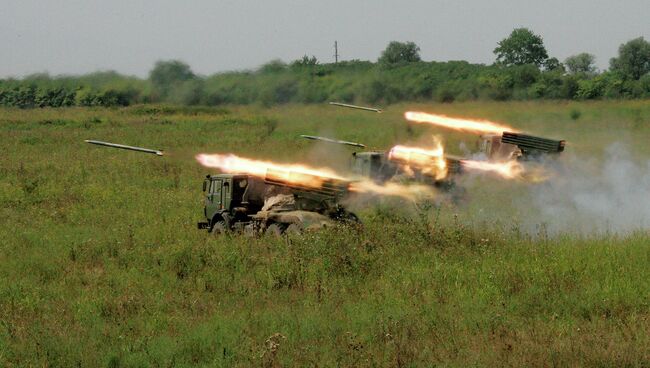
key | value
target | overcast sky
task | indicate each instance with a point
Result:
(75, 37)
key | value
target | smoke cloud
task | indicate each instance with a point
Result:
(611, 195)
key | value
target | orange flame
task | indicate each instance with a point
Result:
(296, 174)
(303, 175)
(508, 170)
(391, 189)
(429, 161)
(474, 126)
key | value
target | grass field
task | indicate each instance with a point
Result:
(101, 264)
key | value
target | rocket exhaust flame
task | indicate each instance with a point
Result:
(429, 161)
(303, 175)
(467, 125)
(295, 174)
(410, 192)
(508, 170)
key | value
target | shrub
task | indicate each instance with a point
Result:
(590, 88)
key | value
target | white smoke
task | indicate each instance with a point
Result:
(607, 196)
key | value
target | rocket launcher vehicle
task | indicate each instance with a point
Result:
(531, 145)
(307, 183)
(520, 146)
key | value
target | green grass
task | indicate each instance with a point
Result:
(101, 264)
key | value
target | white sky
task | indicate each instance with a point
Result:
(80, 36)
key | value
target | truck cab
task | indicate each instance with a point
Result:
(373, 165)
(229, 198)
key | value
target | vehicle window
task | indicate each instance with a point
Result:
(216, 186)
(226, 187)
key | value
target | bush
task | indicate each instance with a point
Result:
(378, 90)
(523, 75)
(280, 91)
(273, 66)
(447, 92)
(311, 91)
(496, 86)
(188, 93)
(590, 88)
(644, 85)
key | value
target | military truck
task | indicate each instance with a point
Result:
(519, 146)
(252, 205)
(380, 167)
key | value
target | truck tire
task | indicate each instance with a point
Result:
(274, 230)
(294, 229)
(219, 228)
(352, 218)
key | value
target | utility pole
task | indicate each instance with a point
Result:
(336, 52)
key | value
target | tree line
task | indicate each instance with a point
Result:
(522, 70)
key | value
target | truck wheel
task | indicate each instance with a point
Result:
(250, 231)
(274, 230)
(458, 196)
(352, 218)
(219, 228)
(294, 229)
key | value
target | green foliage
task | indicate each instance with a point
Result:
(273, 66)
(553, 64)
(280, 92)
(497, 86)
(190, 92)
(523, 72)
(521, 47)
(633, 59)
(575, 114)
(644, 84)
(166, 73)
(583, 63)
(591, 88)
(96, 89)
(305, 61)
(400, 53)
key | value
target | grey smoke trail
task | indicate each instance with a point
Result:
(612, 195)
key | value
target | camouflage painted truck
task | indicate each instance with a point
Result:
(381, 166)
(273, 205)
(519, 146)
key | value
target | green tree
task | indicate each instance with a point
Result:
(521, 47)
(633, 59)
(169, 72)
(582, 63)
(400, 52)
(273, 66)
(166, 74)
(553, 64)
(305, 61)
